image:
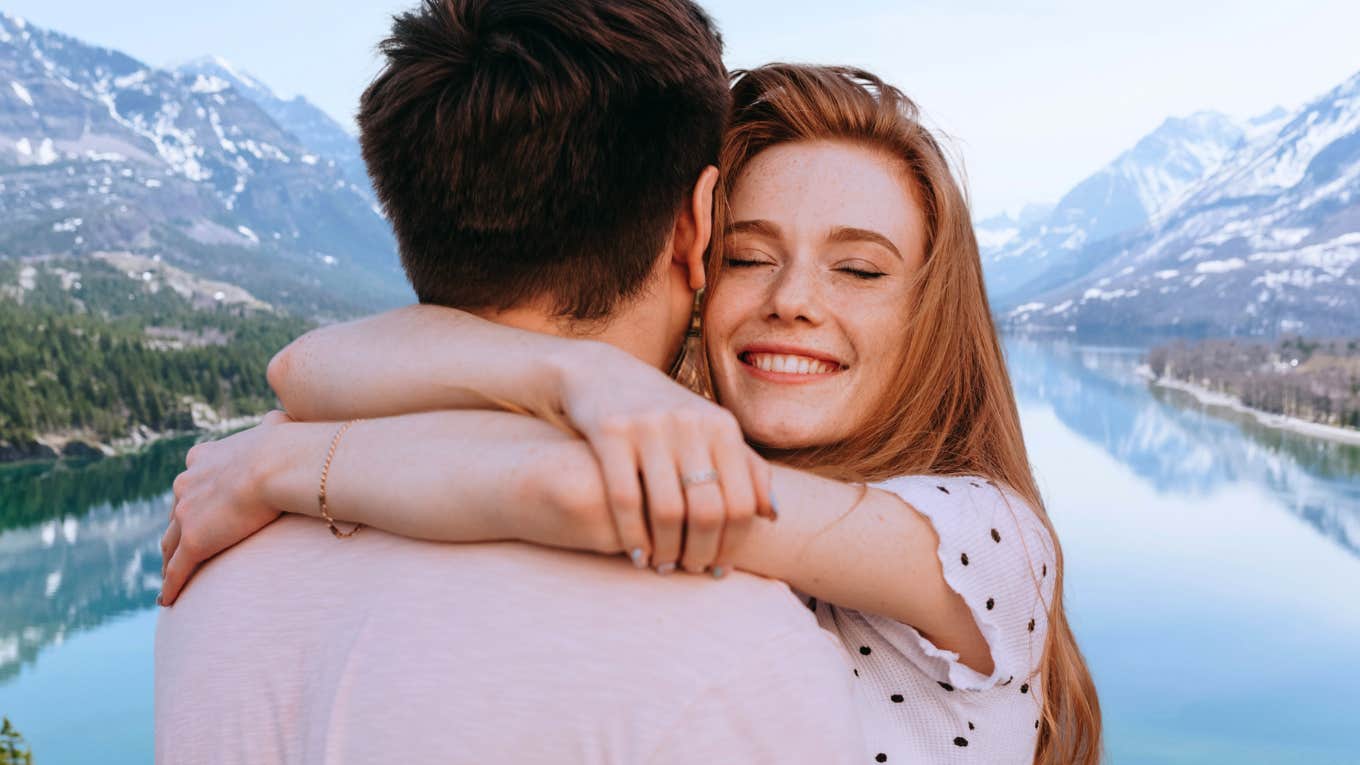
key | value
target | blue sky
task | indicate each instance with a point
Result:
(1033, 95)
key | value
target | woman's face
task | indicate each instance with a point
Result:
(806, 326)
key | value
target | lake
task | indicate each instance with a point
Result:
(1213, 576)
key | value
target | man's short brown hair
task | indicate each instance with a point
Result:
(526, 149)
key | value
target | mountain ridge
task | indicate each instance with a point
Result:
(1265, 242)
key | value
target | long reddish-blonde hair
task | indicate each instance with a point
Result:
(951, 410)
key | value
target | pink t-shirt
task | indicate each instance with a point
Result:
(296, 647)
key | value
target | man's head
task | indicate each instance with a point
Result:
(544, 152)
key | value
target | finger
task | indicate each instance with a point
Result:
(665, 501)
(624, 491)
(177, 575)
(192, 455)
(704, 511)
(739, 495)
(169, 541)
(178, 487)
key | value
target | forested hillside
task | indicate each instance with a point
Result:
(1315, 380)
(90, 352)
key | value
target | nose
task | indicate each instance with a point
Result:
(794, 297)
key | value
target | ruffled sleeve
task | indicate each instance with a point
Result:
(996, 553)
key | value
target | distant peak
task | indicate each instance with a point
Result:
(221, 66)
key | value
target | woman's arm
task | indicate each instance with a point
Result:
(450, 476)
(421, 358)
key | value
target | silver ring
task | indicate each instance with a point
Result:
(695, 479)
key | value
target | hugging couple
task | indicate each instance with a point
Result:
(826, 546)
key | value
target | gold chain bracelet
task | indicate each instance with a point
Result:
(321, 493)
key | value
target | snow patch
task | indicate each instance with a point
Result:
(247, 233)
(128, 80)
(1219, 266)
(68, 225)
(206, 83)
(21, 92)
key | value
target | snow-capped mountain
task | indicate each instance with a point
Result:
(1267, 243)
(1026, 256)
(313, 128)
(102, 153)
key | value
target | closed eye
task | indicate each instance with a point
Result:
(862, 274)
(734, 262)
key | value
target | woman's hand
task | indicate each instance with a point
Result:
(670, 458)
(217, 503)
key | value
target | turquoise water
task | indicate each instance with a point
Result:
(1213, 576)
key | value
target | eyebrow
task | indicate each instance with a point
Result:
(758, 227)
(852, 234)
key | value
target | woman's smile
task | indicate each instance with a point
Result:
(787, 364)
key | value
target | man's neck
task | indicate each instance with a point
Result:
(640, 332)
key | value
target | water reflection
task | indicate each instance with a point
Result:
(1181, 446)
(79, 545)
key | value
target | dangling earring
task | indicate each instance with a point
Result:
(692, 334)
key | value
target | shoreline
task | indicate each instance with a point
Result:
(128, 445)
(1302, 427)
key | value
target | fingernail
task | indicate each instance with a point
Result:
(719, 572)
(774, 508)
(160, 602)
(665, 568)
(639, 557)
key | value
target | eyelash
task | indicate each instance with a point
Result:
(743, 262)
(866, 275)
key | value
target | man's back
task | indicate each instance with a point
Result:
(297, 647)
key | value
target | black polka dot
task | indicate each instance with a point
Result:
(975, 483)
(881, 757)
(964, 559)
(1024, 688)
(960, 741)
(1008, 680)
(943, 489)
(1036, 724)
(945, 685)
(856, 671)
(1031, 625)
(866, 650)
(970, 726)
(996, 535)
(1045, 571)
(991, 603)
(896, 698)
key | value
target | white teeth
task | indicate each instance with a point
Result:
(789, 364)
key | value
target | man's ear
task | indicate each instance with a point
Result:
(694, 228)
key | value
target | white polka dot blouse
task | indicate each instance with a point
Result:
(918, 704)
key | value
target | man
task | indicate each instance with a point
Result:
(546, 165)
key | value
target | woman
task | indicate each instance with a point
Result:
(848, 332)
